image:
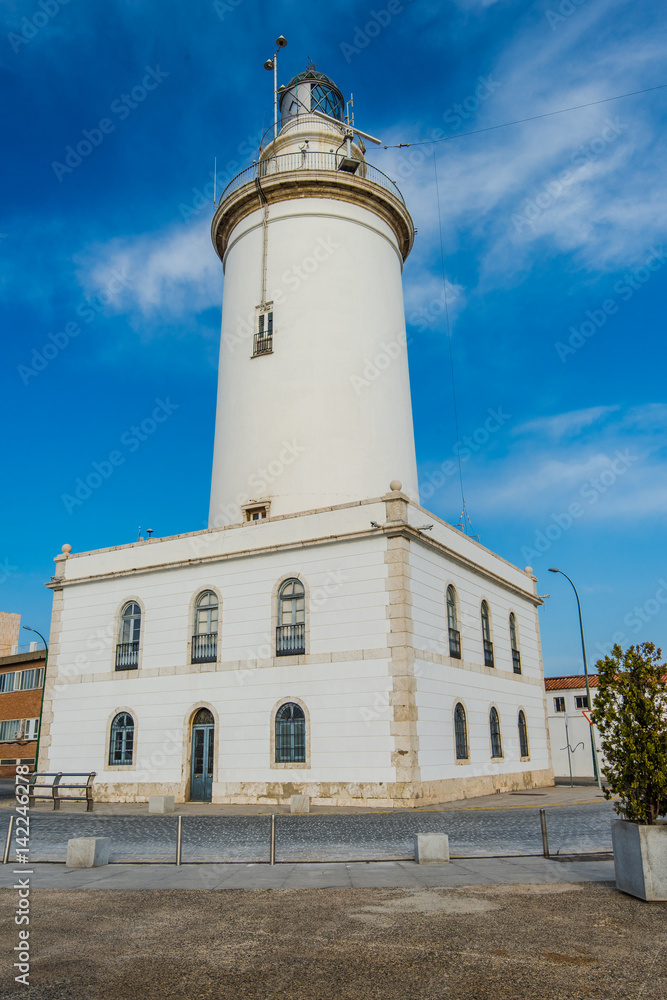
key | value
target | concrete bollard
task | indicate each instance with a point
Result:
(431, 848)
(161, 804)
(88, 852)
(299, 804)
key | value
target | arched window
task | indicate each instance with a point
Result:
(523, 734)
(205, 639)
(121, 743)
(127, 650)
(290, 734)
(494, 729)
(291, 630)
(461, 732)
(453, 625)
(514, 643)
(486, 636)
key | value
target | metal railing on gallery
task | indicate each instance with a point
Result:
(488, 653)
(290, 640)
(127, 655)
(205, 648)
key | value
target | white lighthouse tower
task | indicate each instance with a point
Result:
(312, 240)
(325, 635)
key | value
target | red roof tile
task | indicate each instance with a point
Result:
(565, 683)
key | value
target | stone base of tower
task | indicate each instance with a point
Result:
(398, 707)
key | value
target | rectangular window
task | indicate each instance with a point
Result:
(31, 679)
(256, 513)
(263, 342)
(559, 704)
(8, 762)
(7, 682)
(31, 727)
(581, 701)
(10, 729)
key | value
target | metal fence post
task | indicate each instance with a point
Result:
(545, 838)
(273, 841)
(178, 840)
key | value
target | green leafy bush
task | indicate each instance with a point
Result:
(631, 716)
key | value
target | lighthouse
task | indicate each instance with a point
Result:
(325, 635)
(314, 396)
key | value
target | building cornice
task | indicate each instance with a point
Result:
(296, 184)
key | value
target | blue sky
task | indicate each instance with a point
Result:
(554, 242)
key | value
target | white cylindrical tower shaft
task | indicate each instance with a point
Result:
(314, 396)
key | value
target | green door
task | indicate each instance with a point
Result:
(201, 773)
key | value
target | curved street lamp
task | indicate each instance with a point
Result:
(596, 769)
(41, 704)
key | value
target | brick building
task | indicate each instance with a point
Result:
(21, 677)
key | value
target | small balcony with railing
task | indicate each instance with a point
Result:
(127, 655)
(488, 653)
(516, 661)
(205, 648)
(290, 640)
(262, 344)
(455, 643)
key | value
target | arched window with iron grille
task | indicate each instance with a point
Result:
(453, 624)
(121, 742)
(290, 734)
(494, 730)
(461, 732)
(523, 735)
(514, 643)
(127, 650)
(486, 635)
(205, 638)
(291, 628)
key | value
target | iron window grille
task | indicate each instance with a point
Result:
(205, 639)
(514, 643)
(523, 734)
(290, 734)
(263, 339)
(452, 625)
(291, 628)
(486, 636)
(461, 732)
(494, 729)
(121, 744)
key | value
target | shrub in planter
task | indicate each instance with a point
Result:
(631, 716)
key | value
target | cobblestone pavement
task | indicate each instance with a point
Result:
(328, 837)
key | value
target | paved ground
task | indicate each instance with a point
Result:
(513, 828)
(543, 942)
(355, 875)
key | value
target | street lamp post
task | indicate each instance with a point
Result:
(41, 705)
(596, 768)
(272, 64)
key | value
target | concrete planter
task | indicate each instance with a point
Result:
(640, 859)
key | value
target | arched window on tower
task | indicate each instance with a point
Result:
(291, 629)
(121, 743)
(461, 732)
(205, 638)
(127, 650)
(486, 635)
(494, 730)
(514, 643)
(290, 734)
(523, 735)
(453, 625)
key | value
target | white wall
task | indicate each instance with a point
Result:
(579, 728)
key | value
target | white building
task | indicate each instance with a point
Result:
(325, 634)
(568, 727)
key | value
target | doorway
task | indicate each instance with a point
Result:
(201, 766)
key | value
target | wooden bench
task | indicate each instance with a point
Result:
(54, 789)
